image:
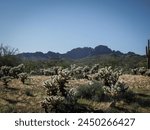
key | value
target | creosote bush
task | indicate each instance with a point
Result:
(93, 91)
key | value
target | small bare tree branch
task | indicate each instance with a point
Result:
(6, 50)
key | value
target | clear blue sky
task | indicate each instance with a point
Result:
(60, 25)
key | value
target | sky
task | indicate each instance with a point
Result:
(61, 25)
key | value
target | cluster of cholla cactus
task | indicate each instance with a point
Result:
(47, 71)
(60, 97)
(84, 72)
(141, 71)
(15, 71)
(94, 69)
(52, 71)
(7, 73)
(76, 71)
(110, 78)
(6, 80)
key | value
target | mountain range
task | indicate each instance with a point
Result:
(76, 53)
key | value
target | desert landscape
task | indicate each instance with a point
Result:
(74, 89)
(74, 56)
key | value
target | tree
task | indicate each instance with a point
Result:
(8, 56)
(6, 50)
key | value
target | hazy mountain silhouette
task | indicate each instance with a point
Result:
(76, 53)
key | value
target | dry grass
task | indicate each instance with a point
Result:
(136, 81)
(18, 97)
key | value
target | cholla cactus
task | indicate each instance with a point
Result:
(116, 90)
(93, 76)
(51, 86)
(134, 71)
(112, 85)
(48, 72)
(121, 87)
(73, 66)
(142, 70)
(23, 77)
(147, 73)
(56, 69)
(58, 94)
(78, 70)
(5, 70)
(65, 73)
(56, 85)
(94, 69)
(72, 96)
(16, 70)
(53, 104)
(6, 80)
(86, 69)
(109, 76)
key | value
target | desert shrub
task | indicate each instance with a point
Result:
(79, 76)
(8, 56)
(92, 91)
(129, 96)
(10, 108)
(28, 92)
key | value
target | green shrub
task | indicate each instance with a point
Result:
(129, 96)
(92, 91)
(28, 92)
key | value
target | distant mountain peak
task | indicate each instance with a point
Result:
(76, 53)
